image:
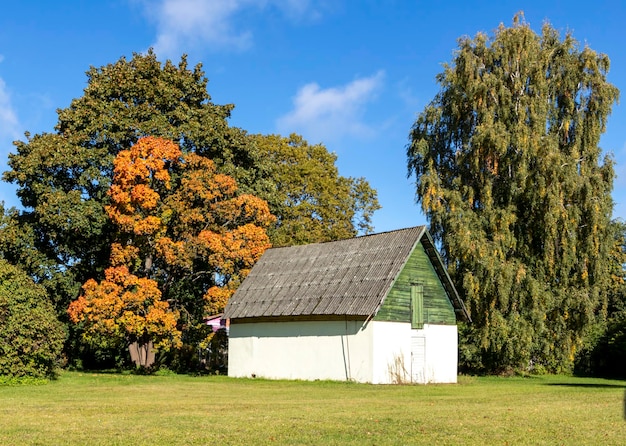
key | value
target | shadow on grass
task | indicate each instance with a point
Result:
(590, 385)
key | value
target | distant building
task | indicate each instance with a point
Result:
(216, 322)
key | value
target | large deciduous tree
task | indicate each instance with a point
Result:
(123, 309)
(63, 178)
(511, 178)
(185, 222)
(312, 201)
(186, 239)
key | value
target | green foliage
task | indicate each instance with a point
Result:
(604, 354)
(604, 349)
(91, 357)
(312, 201)
(617, 285)
(19, 246)
(509, 176)
(63, 237)
(63, 177)
(31, 338)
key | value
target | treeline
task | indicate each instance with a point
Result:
(144, 210)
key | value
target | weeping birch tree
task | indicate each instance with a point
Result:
(513, 182)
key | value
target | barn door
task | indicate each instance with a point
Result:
(418, 340)
(418, 357)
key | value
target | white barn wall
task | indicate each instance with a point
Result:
(309, 350)
(393, 358)
(392, 352)
(393, 355)
(442, 353)
(379, 352)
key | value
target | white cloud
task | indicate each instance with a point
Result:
(9, 124)
(302, 9)
(194, 22)
(329, 114)
(184, 24)
(9, 131)
(407, 94)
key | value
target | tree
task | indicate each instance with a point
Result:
(63, 178)
(604, 351)
(509, 176)
(312, 201)
(31, 338)
(17, 245)
(617, 289)
(124, 309)
(187, 238)
(185, 221)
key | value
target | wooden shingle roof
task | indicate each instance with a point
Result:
(342, 278)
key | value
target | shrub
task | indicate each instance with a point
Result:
(31, 337)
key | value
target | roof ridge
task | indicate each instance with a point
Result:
(373, 234)
(389, 231)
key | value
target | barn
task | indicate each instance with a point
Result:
(378, 308)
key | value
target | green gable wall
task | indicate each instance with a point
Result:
(418, 270)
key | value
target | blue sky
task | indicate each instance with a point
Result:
(352, 75)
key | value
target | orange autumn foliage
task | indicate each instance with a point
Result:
(123, 255)
(200, 219)
(124, 307)
(179, 220)
(217, 298)
(233, 254)
(139, 174)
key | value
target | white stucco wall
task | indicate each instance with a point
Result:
(394, 348)
(378, 352)
(309, 350)
(392, 352)
(441, 354)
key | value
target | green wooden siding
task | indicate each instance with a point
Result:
(417, 306)
(436, 307)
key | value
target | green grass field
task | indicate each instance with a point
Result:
(111, 409)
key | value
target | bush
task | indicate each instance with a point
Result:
(31, 337)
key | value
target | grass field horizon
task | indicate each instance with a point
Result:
(123, 409)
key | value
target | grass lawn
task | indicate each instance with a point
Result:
(99, 409)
